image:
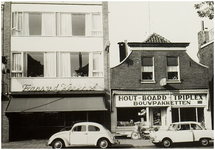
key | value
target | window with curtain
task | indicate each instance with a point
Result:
(17, 23)
(17, 65)
(172, 68)
(96, 25)
(147, 68)
(72, 24)
(74, 64)
(40, 64)
(48, 23)
(33, 24)
(97, 65)
(53, 64)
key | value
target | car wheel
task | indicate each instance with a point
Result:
(166, 143)
(204, 142)
(134, 135)
(58, 144)
(103, 143)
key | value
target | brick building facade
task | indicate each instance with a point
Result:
(206, 57)
(157, 84)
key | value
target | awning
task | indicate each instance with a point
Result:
(56, 104)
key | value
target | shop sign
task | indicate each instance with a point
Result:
(55, 85)
(160, 100)
(58, 87)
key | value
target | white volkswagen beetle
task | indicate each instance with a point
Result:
(83, 134)
(182, 132)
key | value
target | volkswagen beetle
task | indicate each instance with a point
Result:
(83, 134)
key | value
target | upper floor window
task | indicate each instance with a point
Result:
(33, 24)
(56, 24)
(147, 68)
(57, 64)
(173, 68)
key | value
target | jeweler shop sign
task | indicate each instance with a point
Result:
(160, 100)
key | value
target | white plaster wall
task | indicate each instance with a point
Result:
(56, 8)
(56, 44)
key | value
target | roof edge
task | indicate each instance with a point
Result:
(138, 44)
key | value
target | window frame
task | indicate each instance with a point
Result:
(57, 25)
(22, 67)
(152, 68)
(57, 70)
(169, 68)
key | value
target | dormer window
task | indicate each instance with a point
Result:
(147, 69)
(173, 68)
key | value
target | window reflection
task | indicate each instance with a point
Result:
(35, 64)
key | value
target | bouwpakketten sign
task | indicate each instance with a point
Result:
(160, 100)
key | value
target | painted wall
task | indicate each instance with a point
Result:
(56, 44)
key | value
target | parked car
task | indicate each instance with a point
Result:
(83, 134)
(182, 132)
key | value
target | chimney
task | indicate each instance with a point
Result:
(203, 35)
(123, 50)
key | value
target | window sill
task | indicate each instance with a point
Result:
(148, 82)
(173, 81)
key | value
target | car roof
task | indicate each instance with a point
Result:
(185, 122)
(88, 123)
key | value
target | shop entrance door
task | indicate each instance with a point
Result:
(158, 116)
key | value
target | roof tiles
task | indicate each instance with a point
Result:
(155, 38)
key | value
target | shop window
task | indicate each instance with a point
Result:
(188, 114)
(147, 69)
(172, 69)
(128, 116)
(175, 116)
(156, 116)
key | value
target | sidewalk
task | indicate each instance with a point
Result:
(40, 144)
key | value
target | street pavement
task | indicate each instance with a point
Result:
(124, 143)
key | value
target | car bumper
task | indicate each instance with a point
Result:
(47, 143)
(116, 142)
(154, 141)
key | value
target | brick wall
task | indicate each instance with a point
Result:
(106, 59)
(6, 38)
(206, 57)
(6, 44)
(5, 123)
(128, 74)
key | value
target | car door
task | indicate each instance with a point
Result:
(198, 132)
(183, 133)
(78, 135)
(94, 133)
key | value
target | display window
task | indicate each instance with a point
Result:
(128, 116)
(188, 114)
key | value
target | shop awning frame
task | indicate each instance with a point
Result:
(57, 104)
